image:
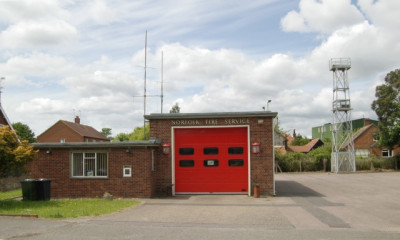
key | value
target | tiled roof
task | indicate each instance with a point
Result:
(4, 116)
(358, 133)
(84, 130)
(305, 148)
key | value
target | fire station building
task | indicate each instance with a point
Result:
(188, 153)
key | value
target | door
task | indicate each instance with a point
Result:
(211, 160)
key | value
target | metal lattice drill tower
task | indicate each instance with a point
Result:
(343, 158)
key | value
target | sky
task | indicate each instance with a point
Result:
(87, 57)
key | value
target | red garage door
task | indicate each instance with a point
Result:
(211, 160)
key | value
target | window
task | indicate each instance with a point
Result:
(210, 163)
(186, 151)
(127, 171)
(387, 153)
(210, 150)
(186, 163)
(235, 150)
(62, 140)
(235, 162)
(89, 164)
(362, 153)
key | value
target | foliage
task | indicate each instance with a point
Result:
(24, 132)
(299, 140)
(175, 109)
(121, 137)
(64, 208)
(277, 127)
(137, 135)
(13, 154)
(299, 162)
(387, 108)
(373, 163)
(106, 132)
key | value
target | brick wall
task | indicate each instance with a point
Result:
(366, 141)
(261, 164)
(56, 166)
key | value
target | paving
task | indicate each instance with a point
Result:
(307, 206)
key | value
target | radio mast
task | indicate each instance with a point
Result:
(342, 158)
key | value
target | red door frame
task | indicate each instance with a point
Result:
(209, 127)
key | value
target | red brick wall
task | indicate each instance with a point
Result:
(366, 141)
(58, 131)
(261, 164)
(56, 166)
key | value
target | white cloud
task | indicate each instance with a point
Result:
(21, 10)
(384, 14)
(323, 16)
(37, 34)
(101, 12)
(20, 68)
(44, 106)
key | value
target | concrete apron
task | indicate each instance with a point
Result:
(206, 209)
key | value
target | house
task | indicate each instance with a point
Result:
(313, 144)
(4, 121)
(365, 143)
(65, 131)
(8, 183)
(282, 144)
(188, 153)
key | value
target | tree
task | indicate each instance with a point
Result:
(136, 135)
(299, 140)
(14, 154)
(24, 132)
(106, 132)
(121, 137)
(387, 108)
(175, 109)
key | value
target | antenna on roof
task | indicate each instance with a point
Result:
(145, 95)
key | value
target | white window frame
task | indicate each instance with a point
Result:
(127, 171)
(89, 175)
(387, 152)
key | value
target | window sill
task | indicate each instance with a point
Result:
(89, 178)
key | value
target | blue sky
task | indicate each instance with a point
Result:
(62, 58)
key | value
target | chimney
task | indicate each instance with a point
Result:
(77, 120)
(366, 122)
(294, 133)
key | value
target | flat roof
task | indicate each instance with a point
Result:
(210, 115)
(149, 143)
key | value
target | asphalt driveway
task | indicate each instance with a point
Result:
(307, 206)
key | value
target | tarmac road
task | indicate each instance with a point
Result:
(307, 206)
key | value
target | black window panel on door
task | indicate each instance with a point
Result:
(186, 151)
(210, 151)
(236, 162)
(210, 163)
(235, 150)
(186, 163)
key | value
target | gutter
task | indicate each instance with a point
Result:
(149, 143)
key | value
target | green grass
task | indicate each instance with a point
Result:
(69, 208)
(10, 194)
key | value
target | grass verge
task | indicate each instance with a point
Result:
(10, 194)
(68, 208)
